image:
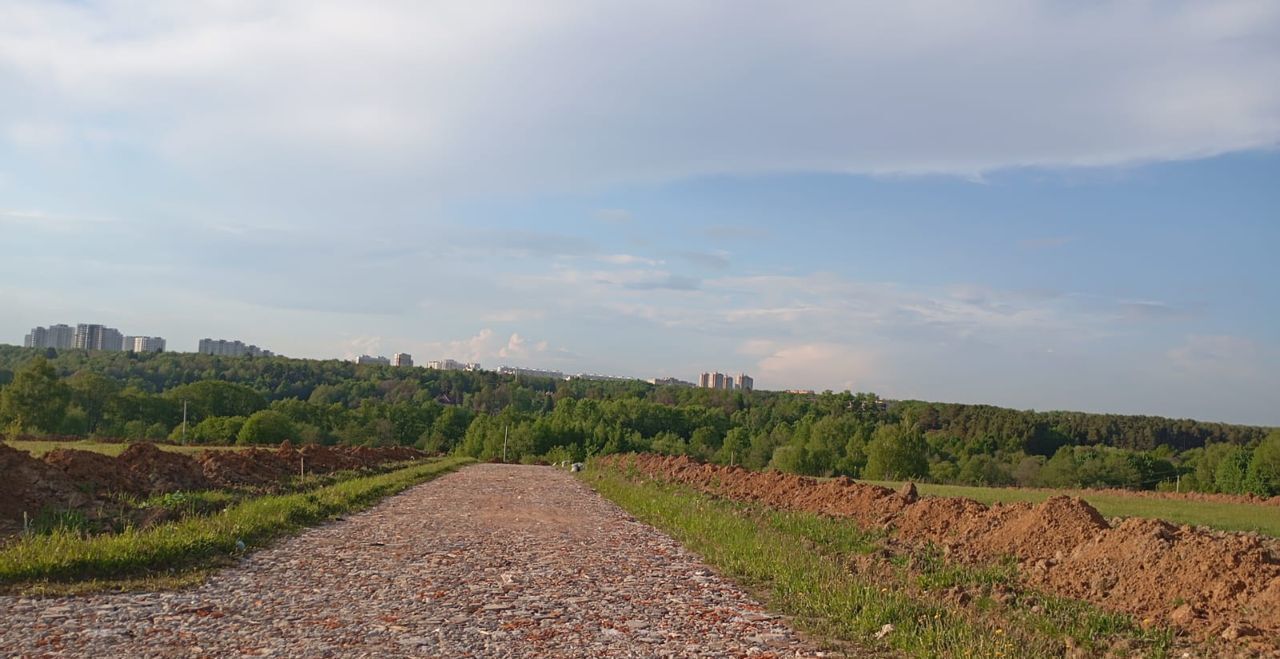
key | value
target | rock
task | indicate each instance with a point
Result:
(907, 493)
(1238, 630)
(1184, 615)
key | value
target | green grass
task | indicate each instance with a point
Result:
(196, 543)
(842, 583)
(1215, 514)
(38, 448)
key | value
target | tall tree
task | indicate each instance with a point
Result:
(36, 399)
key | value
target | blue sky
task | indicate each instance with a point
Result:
(1040, 205)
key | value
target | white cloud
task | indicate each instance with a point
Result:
(484, 96)
(1217, 356)
(513, 315)
(629, 259)
(806, 365)
(516, 347)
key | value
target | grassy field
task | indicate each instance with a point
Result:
(39, 448)
(1214, 514)
(845, 585)
(41, 562)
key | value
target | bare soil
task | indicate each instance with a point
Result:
(66, 479)
(1205, 583)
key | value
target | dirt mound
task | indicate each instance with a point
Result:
(257, 467)
(28, 485)
(93, 471)
(1146, 566)
(1207, 583)
(71, 479)
(1048, 530)
(152, 471)
(253, 467)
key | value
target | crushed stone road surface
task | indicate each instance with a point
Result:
(490, 561)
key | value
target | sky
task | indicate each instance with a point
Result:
(1048, 205)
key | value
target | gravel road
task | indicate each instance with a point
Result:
(490, 561)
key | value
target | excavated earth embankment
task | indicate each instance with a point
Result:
(1203, 582)
(66, 479)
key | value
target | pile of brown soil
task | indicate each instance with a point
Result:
(69, 479)
(1204, 582)
(96, 472)
(28, 485)
(253, 467)
(153, 471)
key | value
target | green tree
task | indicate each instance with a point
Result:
(35, 400)
(213, 430)
(94, 393)
(897, 452)
(1263, 477)
(1231, 472)
(265, 427)
(216, 398)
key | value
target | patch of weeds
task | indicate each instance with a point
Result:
(49, 522)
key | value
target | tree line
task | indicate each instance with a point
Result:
(484, 415)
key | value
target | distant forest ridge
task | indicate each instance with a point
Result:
(485, 415)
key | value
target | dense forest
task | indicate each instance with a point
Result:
(267, 400)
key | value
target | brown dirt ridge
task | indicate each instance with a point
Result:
(71, 479)
(1205, 583)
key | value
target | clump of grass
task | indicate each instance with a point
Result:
(66, 554)
(801, 563)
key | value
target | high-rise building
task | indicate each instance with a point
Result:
(370, 359)
(402, 359)
(90, 336)
(37, 338)
(225, 348)
(144, 344)
(61, 337)
(717, 380)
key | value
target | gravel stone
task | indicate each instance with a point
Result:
(489, 561)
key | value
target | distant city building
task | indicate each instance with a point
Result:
(452, 365)
(225, 348)
(531, 372)
(89, 336)
(369, 359)
(61, 337)
(144, 344)
(670, 382)
(604, 378)
(807, 392)
(718, 380)
(402, 359)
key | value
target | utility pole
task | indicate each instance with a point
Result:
(504, 442)
(184, 422)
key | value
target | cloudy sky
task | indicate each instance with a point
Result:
(1058, 205)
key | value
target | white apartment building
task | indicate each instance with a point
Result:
(225, 348)
(144, 343)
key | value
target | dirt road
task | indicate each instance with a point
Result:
(491, 561)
